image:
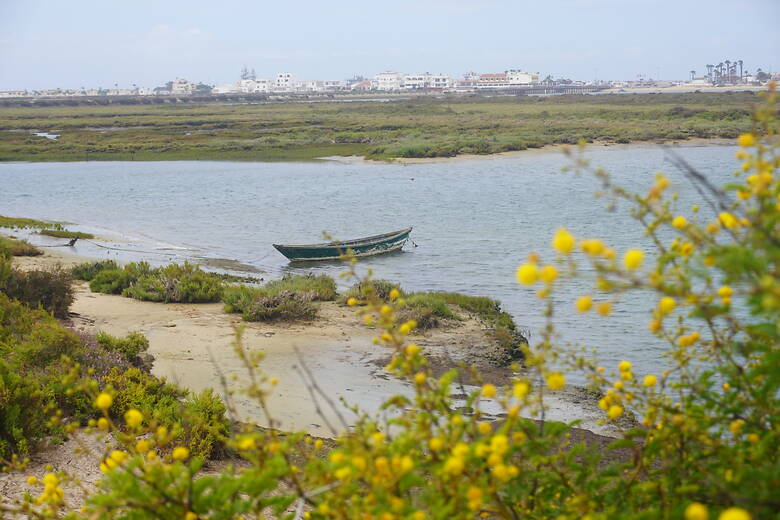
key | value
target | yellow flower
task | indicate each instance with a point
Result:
(102, 423)
(584, 303)
(484, 428)
(679, 222)
(650, 380)
(247, 443)
(604, 308)
(592, 246)
(142, 446)
(274, 381)
(563, 241)
(352, 302)
(615, 411)
(50, 479)
(419, 378)
(501, 472)
(412, 349)
(666, 305)
(407, 464)
(190, 516)
(726, 387)
(180, 453)
(454, 466)
(556, 381)
(118, 456)
(696, 511)
(746, 140)
(394, 294)
(488, 390)
(435, 444)
(520, 390)
(725, 291)
(318, 444)
(548, 273)
(133, 418)
(734, 513)
(624, 366)
(654, 326)
(32, 480)
(386, 310)
(104, 401)
(633, 259)
(728, 220)
(499, 444)
(736, 426)
(527, 274)
(418, 515)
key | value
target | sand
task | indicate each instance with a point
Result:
(193, 346)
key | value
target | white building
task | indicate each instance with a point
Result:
(181, 87)
(427, 81)
(285, 82)
(518, 77)
(389, 80)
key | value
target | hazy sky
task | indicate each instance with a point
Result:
(69, 44)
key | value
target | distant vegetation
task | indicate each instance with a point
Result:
(52, 229)
(418, 127)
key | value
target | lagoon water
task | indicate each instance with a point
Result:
(474, 220)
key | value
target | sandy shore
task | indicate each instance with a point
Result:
(550, 148)
(193, 346)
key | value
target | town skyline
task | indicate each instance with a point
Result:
(578, 39)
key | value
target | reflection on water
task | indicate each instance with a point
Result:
(474, 221)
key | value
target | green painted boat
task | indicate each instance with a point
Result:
(368, 246)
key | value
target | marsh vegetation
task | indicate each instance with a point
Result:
(417, 127)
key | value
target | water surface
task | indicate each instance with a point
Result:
(474, 220)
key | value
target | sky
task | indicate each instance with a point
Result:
(107, 43)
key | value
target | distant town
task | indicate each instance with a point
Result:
(724, 74)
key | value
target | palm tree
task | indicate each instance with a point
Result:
(709, 71)
(740, 70)
(728, 71)
(693, 74)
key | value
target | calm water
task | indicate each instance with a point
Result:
(474, 221)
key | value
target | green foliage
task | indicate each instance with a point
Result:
(50, 290)
(23, 223)
(18, 247)
(255, 304)
(320, 287)
(427, 309)
(88, 270)
(196, 421)
(186, 283)
(23, 411)
(62, 233)
(110, 281)
(130, 347)
(364, 290)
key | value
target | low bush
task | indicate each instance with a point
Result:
(130, 347)
(321, 287)
(285, 305)
(185, 283)
(50, 290)
(88, 270)
(18, 247)
(110, 281)
(364, 290)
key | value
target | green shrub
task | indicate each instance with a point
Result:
(321, 287)
(370, 289)
(284, 305)
(195, 421)
(23, 406)
(130, 347)
(186, 283)
(50, 290)
(110, 281)
(19, 247)
(238, 297)
(88, 270)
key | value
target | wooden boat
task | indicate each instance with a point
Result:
(367, 246)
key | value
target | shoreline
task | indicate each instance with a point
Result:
(549, 148)
(192, 346)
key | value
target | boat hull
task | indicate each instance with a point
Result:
(369, 246)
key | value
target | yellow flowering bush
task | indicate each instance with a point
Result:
(708, 432)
